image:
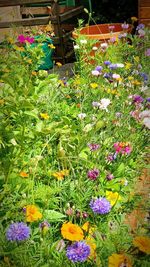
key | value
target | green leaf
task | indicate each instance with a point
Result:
(31, 113)
(52, 215)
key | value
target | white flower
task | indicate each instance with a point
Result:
(145, 116)
(94, 48)
(104, 103)
(76, 47)
(116, 76)
(120, 65)
(104, 45)
(81, 116)
(83, 41)
(95, 73)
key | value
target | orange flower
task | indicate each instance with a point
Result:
(143, 243)
(24, 174)
(60, 175)
(117, 260)
(71, 232)
(32, 213)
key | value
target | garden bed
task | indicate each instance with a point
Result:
(72, 151)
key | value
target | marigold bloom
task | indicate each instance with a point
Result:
(44, 116)
(61, 174)
(113, 197)
(143, 243)
(32, 213)
(72, 232)
(24, 174)
(119, 260)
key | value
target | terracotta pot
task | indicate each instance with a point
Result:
(101, 32)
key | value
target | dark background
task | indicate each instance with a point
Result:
(104, 11)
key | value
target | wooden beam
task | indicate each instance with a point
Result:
(22, 2)
(71, 13)
(28, 22)
(145, 12)
(35, 11)
(144, 3)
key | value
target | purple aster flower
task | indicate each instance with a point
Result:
(18, 231)
(147, 52)
(99, 68)
(113, 66)
(137, 99)
(93, 174)
(107, 75)
(141, 26)
(107, 62)
(100, 205)
(78, 252)
(93, 147)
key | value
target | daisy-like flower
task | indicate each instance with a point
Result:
(100, 205)
(18, 231)
(78, 252)
(142, 243)
(61, 174)
(119, 260)
(104, 103)
(72, 232)
(81, 116)
(32, 213)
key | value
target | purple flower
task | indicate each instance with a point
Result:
(78, 252)
(44, 224)
(93, 147)
(113, 66)
(93, 174)
(147, 52)
(141, 26)
(111, 27)
(95, 73)
(99, 68)
(21, 38)
(125, 26)
(137, 99)
(112, 40)
(148, 99)
(111, 157)
(107, 75)
(100, 205)
(122, 35)
(95, 104)
(109, 176)
(144, 76)
(30, 39)
(18, 231)
(107, 62)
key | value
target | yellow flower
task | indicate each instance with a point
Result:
(18, 48)
(61, 174)
(118, 260)
(112, 197)
(143, 243)
(51, 46)
(91, 242)
(34, 73)
(130, 78)
(94, 85)
(134, 19)
(2, 101)
(71, 232)
(10, 40)
(44, 116)
(136, 82)
(128, 65)
(32, 213)
(24, 174)
(87, 228)
(58, 64)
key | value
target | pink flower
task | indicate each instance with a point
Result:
(30, 39)
(21, 38)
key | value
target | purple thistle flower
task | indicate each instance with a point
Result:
(100, 205)
(18, 231)
(113, 66)
(93, 147)
(99, 68)
(78, 252)
(109, 176)
(107, 62)
(44, 224)
(93, 174)
(137, 99)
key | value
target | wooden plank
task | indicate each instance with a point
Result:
(22, 2)
(28, 22)
(144, 3)
(71, 13)
(146, 22)
(35, 10)
(145, 12)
